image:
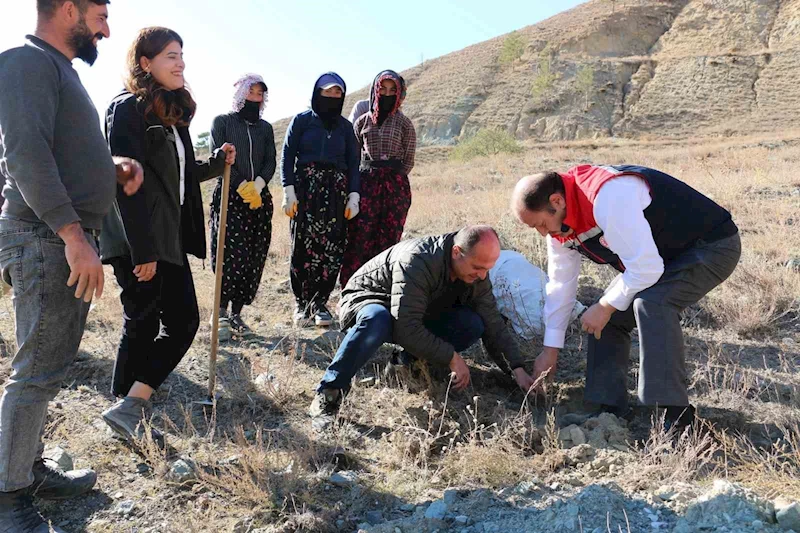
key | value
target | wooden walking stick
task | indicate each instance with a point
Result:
(223, 219)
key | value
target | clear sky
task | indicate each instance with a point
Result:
(289, 42)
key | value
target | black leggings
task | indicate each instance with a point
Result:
(160, 321)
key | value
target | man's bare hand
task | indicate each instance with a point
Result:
(130, 174)
(596, 317)
(523, 379)
(460, 372)
(545, 365)
(84, 263)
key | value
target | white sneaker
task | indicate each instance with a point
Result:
(323, 317)
(224, 332)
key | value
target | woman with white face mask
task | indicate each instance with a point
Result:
(249, 221)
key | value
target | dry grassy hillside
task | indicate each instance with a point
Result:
(254, 463)
(621, 68)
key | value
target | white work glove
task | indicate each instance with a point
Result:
(351, 208)
(289, 204)
(260, 184)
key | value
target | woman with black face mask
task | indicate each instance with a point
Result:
(249, 207)
(319, 173)
(388, 141)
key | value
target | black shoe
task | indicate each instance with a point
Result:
(238, 326)
(322, 317)
(324, 407)
(18, 515)
(400, 365)
(678, 417)
(52, 483)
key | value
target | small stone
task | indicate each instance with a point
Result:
(572, 419)
(181, 472)
(554, 486)
(263, 380)
(340, 524)
(59, 456)
(573, 509)
(450, 496)
(757, 524)
(363, 526)
(345, 478)
(788, 516)
(142, 468)
(462, 519)
(245, 525)
(577, 435)
(367, 382)
(793, 264)
(436, 511)
(408, 508)
(118, 495)
(374, 517)
(125, 508)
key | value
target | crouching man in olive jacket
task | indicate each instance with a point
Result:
(432, 296)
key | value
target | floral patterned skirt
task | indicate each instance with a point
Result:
(385, 201)
(318, 233)
(247, 239)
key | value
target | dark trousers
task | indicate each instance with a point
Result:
(160, 321)
(460, 326)
(656, 312)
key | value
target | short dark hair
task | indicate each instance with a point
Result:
(536, 197)
(468, 237)
(47, 8)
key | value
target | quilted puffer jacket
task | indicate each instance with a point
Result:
(412, 277)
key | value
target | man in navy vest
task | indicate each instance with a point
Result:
(670, 244)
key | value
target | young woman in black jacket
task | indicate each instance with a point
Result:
(249, 223)
(147, 236)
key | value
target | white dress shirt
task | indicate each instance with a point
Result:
(619, 211)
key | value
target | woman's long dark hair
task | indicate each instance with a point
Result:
(171, 107)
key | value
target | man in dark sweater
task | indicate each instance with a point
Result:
(59, 184)
(671, 246)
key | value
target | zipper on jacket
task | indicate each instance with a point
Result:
(252, 167)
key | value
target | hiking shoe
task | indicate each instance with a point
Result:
(400, 366)
(323, 317)
(678, 418)
(18, 514)
(126, 419)
(224, 332)
(52, 483)
(324, 407)
(238, 326)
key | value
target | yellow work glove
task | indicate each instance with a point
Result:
(256, 203)
(247, 190)
(289, 204)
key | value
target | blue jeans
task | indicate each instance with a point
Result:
(49, 326)
(460, 326)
